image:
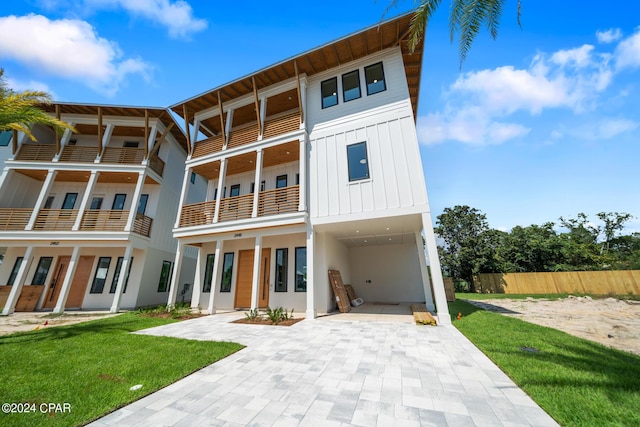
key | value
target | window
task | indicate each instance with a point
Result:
(49, 202)
(131, 144)
(358, 163)
(72, 142)
(215, 193)
(234, 191)
(42, 270)
(297, 179)
(116, 276)
(165, 276)
(118, 202)
(69, 201)
(101, 275)
(281, 181)
(208, 273)
(193, 177)
(142, 206)
(351, 86)
(96, 203)
(374, 75)
(5, 137)
(14, 271)
(329, 89)
(301, 269)
(227, 271)
(282, 257)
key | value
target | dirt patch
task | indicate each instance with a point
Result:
(20, 322)
(611, 322)
(167, 315)
(287, 322)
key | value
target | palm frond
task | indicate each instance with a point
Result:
(420, 20)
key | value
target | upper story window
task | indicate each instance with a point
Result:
(358, 162)
(329, 89)
(5, 137)
(374, 76)
(351, 85)
(131, 144)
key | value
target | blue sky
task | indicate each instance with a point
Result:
(541, 123)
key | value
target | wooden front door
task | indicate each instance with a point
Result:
(79, 282)
(56, 282)
(245, 279)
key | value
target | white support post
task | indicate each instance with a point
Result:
(66, 284)
(136, 200)
(263, 114)
(105, 140)
(216, 276)
(175, 277)
(183, 195)
(152, 137)
(255, 283)
(122, 278)
(256, 185)
(16, 289)
(442, 310)
(221, 177)
(93, 178)
(228, 125)
(44, 191)
(428, 297)
(194, 134)
(311, 296)
(66, 136)
(3, 177)
(303, 95)
(302, 202)
(197, 278)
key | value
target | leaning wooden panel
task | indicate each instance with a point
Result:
(339, 291)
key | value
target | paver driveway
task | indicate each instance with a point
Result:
(328, 372)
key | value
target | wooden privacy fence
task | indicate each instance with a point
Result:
(619, 282)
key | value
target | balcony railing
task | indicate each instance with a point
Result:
(104, 220)
(14, 218)
(208, 146)
(55, 219)
(279, 201)
(281, 124)
(156, 164)
(142, 225)
(234, 208)
(243, 135)
(79, 154)
(197, 213)
(36, 152)
(123, 155)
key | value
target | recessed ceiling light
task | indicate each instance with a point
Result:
(387, 228)
(365, 241)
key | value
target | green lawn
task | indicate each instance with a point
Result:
(477, 296)
(578, 382)
(92, 366)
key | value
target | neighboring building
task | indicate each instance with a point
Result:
(312, 164)
(85, 218)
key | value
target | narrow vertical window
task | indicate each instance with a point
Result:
(96, 203)
(193, 177)
(165, 276)
(142, 206)
(69, 201)
(301, 269)
(118, 202)
(227, 271)
(14, 271)
(234, 191)
(282, 258)
(42, 270)
(357, 161)
(329, 89)
(116, 275)
(208, 273)
(351, 86)
(374, 76)
(49, 202)
(101, 275)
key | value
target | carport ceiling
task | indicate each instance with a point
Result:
(375, 232)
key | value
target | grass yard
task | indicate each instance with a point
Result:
(578, 382)
(92, 366)
(478, 296)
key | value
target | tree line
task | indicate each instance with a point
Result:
(469, 246)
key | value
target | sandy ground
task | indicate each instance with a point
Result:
(18, 322)
(612, 322)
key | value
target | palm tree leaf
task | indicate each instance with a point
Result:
(419, 21)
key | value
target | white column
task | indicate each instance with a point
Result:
(44, 191)
(197, 278)
(227, 125)
(183, 195)
(442, 310)
(256, 185)
(3, 177)
(66, 284)
(303, 95)
(66, 136)
(105, 139)
(16, 289)
(428, 297)
(215, 280)
(263, 114)
(85, 199)
(136, 200)
(221, 177)
(124, 269)
(152, 137)
(255, 283)
(311, 300)
(302, 203)
(177, 265)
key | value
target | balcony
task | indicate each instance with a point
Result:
(142, 225)
(208, 146)
(14, 218)
(104, 220)
(281, 124)
(234, 208)
(55, 219)
(156, 164)
(243, 135)
(36, 152)
(78, 154)
(197, 213)
(279, 201)
(130, 156)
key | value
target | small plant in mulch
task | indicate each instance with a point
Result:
(180, 311)
(278, 316)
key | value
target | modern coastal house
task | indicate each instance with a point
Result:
(86, 218)
(311, 164)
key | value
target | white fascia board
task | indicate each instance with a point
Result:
(245, 234)
(84, 119)
(333, 219)
(65, 239)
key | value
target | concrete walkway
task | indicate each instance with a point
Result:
(333, 372)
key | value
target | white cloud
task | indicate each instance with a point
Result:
(67, 48)
(627, 53)
(609, 128)
(579, 57)
(609, 36)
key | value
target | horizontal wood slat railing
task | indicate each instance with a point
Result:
(244, 135)
(14, 218)
(197, 213)
(123, 155)
(282, 124)
(208, 146)
(238, 207)
(55, 219)
(142, 225)
(104, 220)
(36, 152)
(156, 164)
(77, 153)
(279, 201)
